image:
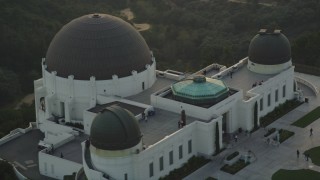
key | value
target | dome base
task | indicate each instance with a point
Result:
(268, 69)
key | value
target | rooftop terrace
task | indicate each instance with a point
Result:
(162, 124)
(144, 97)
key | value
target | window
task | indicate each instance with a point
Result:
(161, 163)
(276, 96)
(142, 85)
(261, 104)
(171, 157)
(284, 91)
(151, 169)
(269, 99)
(190, 146)
(52, 168)
(125, 176)
(180, 152)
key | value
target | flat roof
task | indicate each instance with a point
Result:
(162, 124)
(132, 108)
(144, 97)
(242, 78)
(72, 150)
(23, 153)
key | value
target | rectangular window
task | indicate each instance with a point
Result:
(52, 168)
(261, 104)
(180, 152)
(284, 91)
(171, 157)
(276, 96)
(190, 146)
(125, 176)
(150, 169)
(161, 163)
(269, 99)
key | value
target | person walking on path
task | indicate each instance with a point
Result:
(298, 153)
(311, 131)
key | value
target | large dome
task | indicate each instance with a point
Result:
(269, 48)
(115, 129)
(97, 45)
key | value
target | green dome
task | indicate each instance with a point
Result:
(269, 48)
(200, 90)
(115, 128)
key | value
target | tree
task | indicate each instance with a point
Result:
(9, 86)
(217, 141)
(6, 171)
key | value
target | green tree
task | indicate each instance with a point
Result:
(217, 139)
(6, 171)
(9, 86)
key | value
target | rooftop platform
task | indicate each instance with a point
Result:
(144, 97)
(162, 124)
(23, 153)
(242, 78)
(72, 150)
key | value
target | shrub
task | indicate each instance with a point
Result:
(234, 168)
(233, 155)
(270, 131)
(193, 164)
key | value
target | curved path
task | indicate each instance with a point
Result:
(129, 14)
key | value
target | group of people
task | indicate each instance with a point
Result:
(257, 83)
(306, 155)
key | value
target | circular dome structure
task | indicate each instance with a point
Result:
(115, 128)
(200, 90)
(269, 52)
(98, 45)
(270, 48)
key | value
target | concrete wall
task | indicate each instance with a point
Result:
(268, 69)
(285, 78)
(68, 97)
(136, 165)
(56, 167)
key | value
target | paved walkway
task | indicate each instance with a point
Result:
(271, 158)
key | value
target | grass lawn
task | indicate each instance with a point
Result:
(314, 155)
(308, 118)
(305, 174)
(285, 134)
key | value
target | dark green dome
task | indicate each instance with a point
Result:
(115, 128)
(97, 45)
(269, 48)
(200, 90)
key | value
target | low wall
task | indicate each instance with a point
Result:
(14, 134)
(170, 74)
(308, 84)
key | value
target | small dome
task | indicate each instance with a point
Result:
(269, 48)
(97, 45)
(200, 90)
(115, 128)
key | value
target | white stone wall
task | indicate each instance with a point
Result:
(268, 69)
(56, 167)
(136, 166)
(70, 97)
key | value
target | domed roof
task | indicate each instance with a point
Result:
(199, 90)
(269, 48)
(115, 129)
(97, 45)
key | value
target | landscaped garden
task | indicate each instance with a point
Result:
(308, 118)
(279, 111)
(192, 165)
(235, 167)
(284, 135)
(306, 174)
(314, 154)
